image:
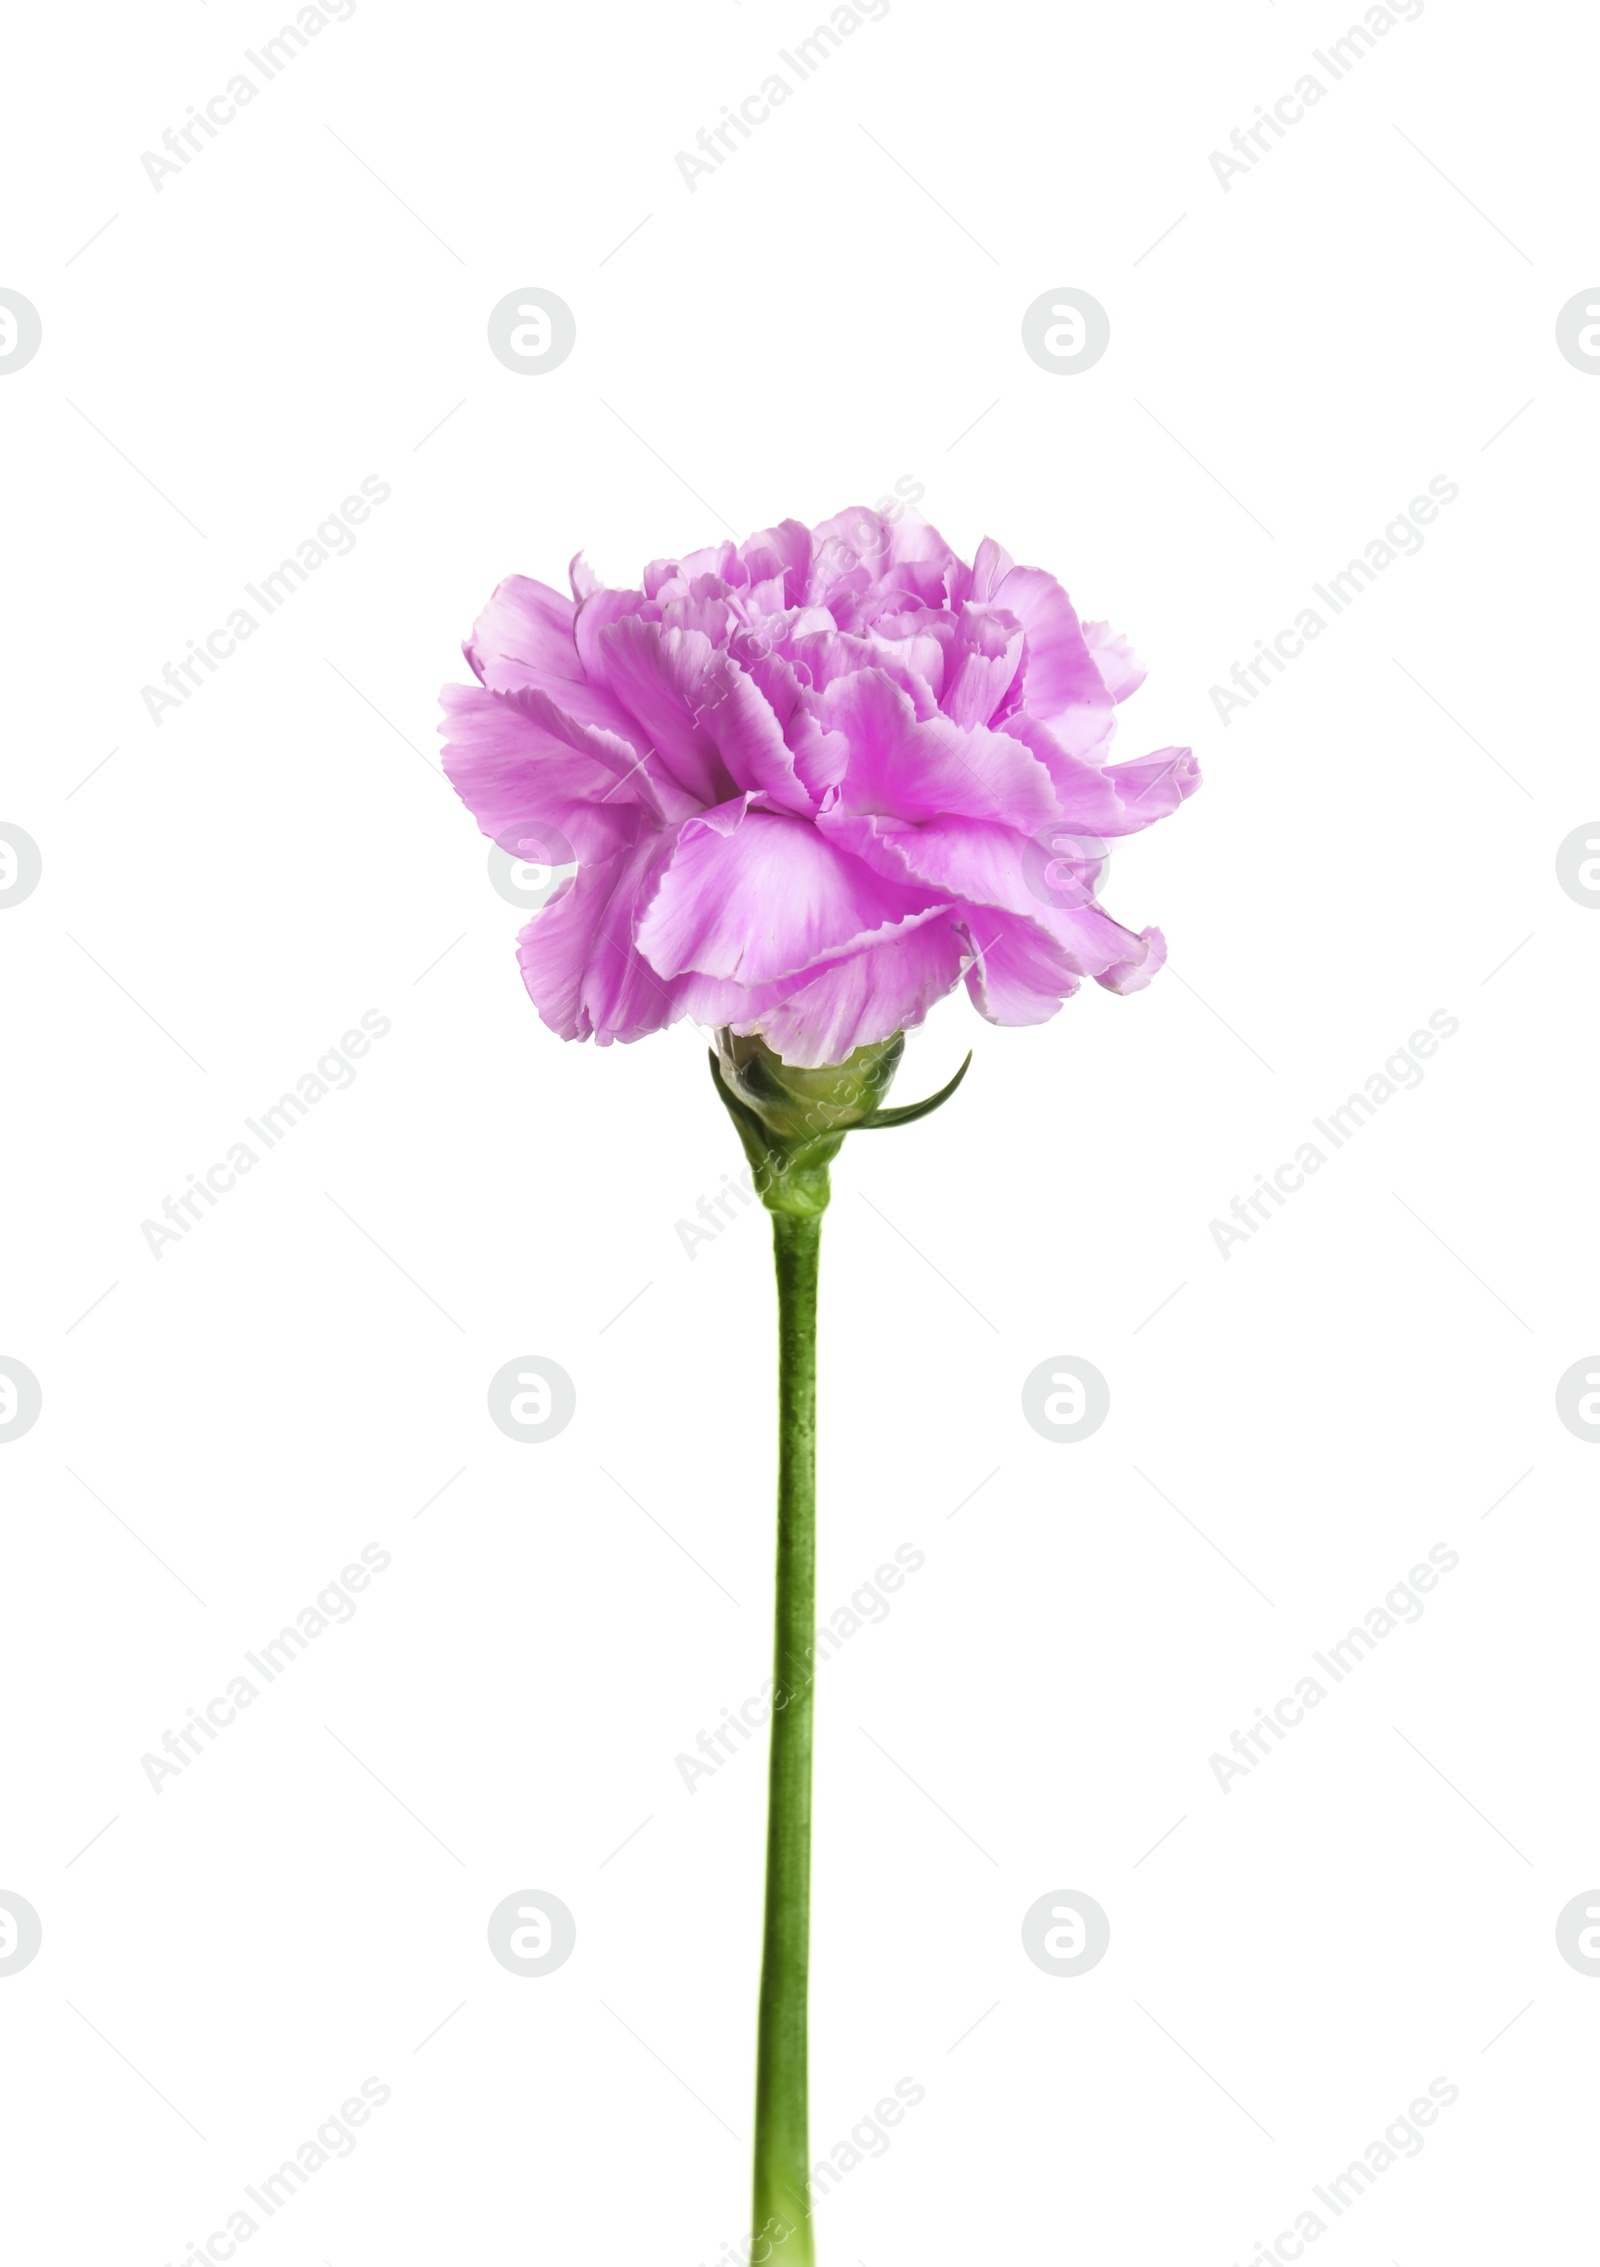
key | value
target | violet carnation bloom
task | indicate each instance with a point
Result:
(810, 782)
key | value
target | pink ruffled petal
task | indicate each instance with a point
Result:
(1085, 796)
(990, 567)
(782, 550)
(1152, 787)
(518, 646)
(915, 769)
(523, 636)
(753, 895)
(1134, 971)
(579, 962)
(903, 649)
(711, 617)
(1011, 894)
(512, 770)
(749, 739)
(1018, 974)
(1121, 670)
(969, 862)
(1097, 946)
(660, 676)
(887, 986)
(595, 613)
(916, 665)
(1060, 683)
(985, 655)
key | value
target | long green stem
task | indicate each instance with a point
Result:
(782, 2155)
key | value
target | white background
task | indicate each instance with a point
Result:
(1371, 306)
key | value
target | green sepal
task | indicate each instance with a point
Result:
(791, 1123)
(909, 1112)
(789, 1173)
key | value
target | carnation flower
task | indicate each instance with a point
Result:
(809, 783)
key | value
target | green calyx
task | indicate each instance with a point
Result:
(792, 1122)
